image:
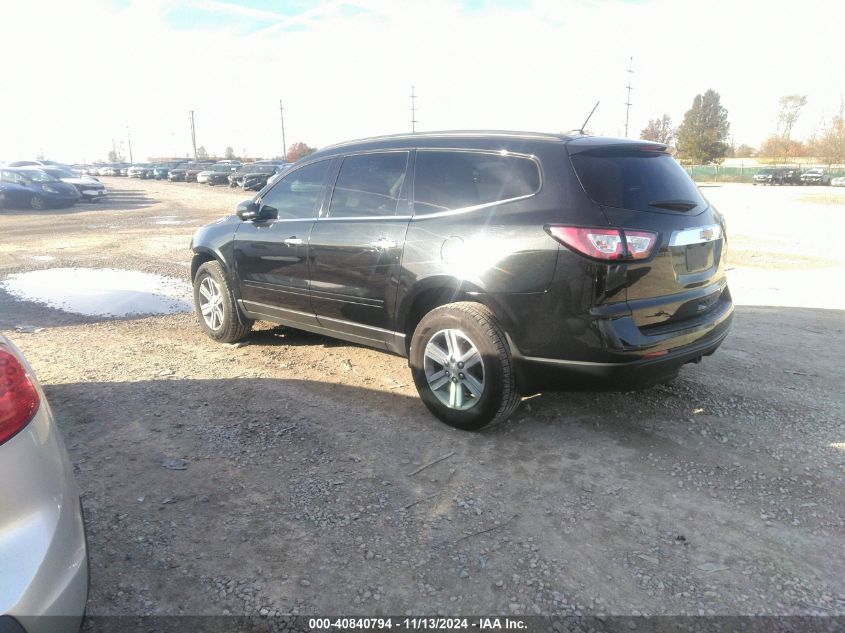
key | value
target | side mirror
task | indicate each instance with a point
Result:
(247, 210)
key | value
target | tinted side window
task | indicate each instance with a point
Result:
(368, 185)
(13, 178)
(296, 195)
(453, 180)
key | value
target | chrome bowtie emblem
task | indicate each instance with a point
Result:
(706, 234)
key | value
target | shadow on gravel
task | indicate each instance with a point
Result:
(282, 336)
(123, 200)
(289, 480)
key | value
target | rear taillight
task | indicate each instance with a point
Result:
(605, 244)
(19, 398)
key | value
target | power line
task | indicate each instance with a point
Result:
(284, 144)
(628, 102)
(193, 134)
(413, 111)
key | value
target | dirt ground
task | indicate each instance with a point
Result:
(720, 493)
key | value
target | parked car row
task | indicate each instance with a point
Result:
(249, 176)
(794, 176)
(255, 176)
(44, 186)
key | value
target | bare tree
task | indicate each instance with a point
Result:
(659, 130)
(831, 145)
(745, 151)
(299, 150)
(790, 110)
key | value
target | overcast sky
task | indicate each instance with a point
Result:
(78, 73)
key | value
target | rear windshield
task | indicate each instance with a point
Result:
(643, 181)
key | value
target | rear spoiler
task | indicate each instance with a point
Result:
(589, 144)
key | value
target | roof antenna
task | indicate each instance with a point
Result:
(587, 120)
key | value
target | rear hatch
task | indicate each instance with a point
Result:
(641, 187)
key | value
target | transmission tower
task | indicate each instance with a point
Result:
(628, 101)
(284, 144)
(193, 134)
(413, 111)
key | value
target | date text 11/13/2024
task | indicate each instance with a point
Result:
(417, 623)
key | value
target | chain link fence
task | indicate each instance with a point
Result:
(743, 173)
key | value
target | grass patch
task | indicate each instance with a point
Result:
(825, 198)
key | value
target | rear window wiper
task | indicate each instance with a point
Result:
(674, 205)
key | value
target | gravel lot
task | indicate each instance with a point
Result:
(306, 488)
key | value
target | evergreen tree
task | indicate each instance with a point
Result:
(703, 134)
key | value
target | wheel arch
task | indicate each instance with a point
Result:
(438, 291)
(203, 255)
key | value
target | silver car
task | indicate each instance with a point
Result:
(43, 555)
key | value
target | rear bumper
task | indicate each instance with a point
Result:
(631, 359)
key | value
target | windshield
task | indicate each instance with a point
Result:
(61, 173)
(644, 181)
(36, 175)
(222, 168)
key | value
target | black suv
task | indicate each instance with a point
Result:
(778, 176)
(498, 263)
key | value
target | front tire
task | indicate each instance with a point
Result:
(462, 366)
(215, 307)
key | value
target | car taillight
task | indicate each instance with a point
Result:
(18, 396)
(604, 243)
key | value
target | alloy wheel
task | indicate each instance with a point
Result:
(454, 369)
(211, 303)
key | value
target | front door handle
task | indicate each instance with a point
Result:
(294, 241)
(384, 244)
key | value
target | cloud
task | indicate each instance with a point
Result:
(344, 69)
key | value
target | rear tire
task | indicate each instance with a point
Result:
(215, 306)
(462, 366)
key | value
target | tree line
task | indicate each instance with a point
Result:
(703, 136)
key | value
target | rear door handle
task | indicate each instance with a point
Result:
(383, 244)
(294, 241)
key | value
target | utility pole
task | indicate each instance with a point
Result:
(129, 140)
(284, 144)
(628, 102)
(193, 134)
(413, 111)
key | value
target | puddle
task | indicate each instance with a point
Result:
(101, 291)
(167, 219)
